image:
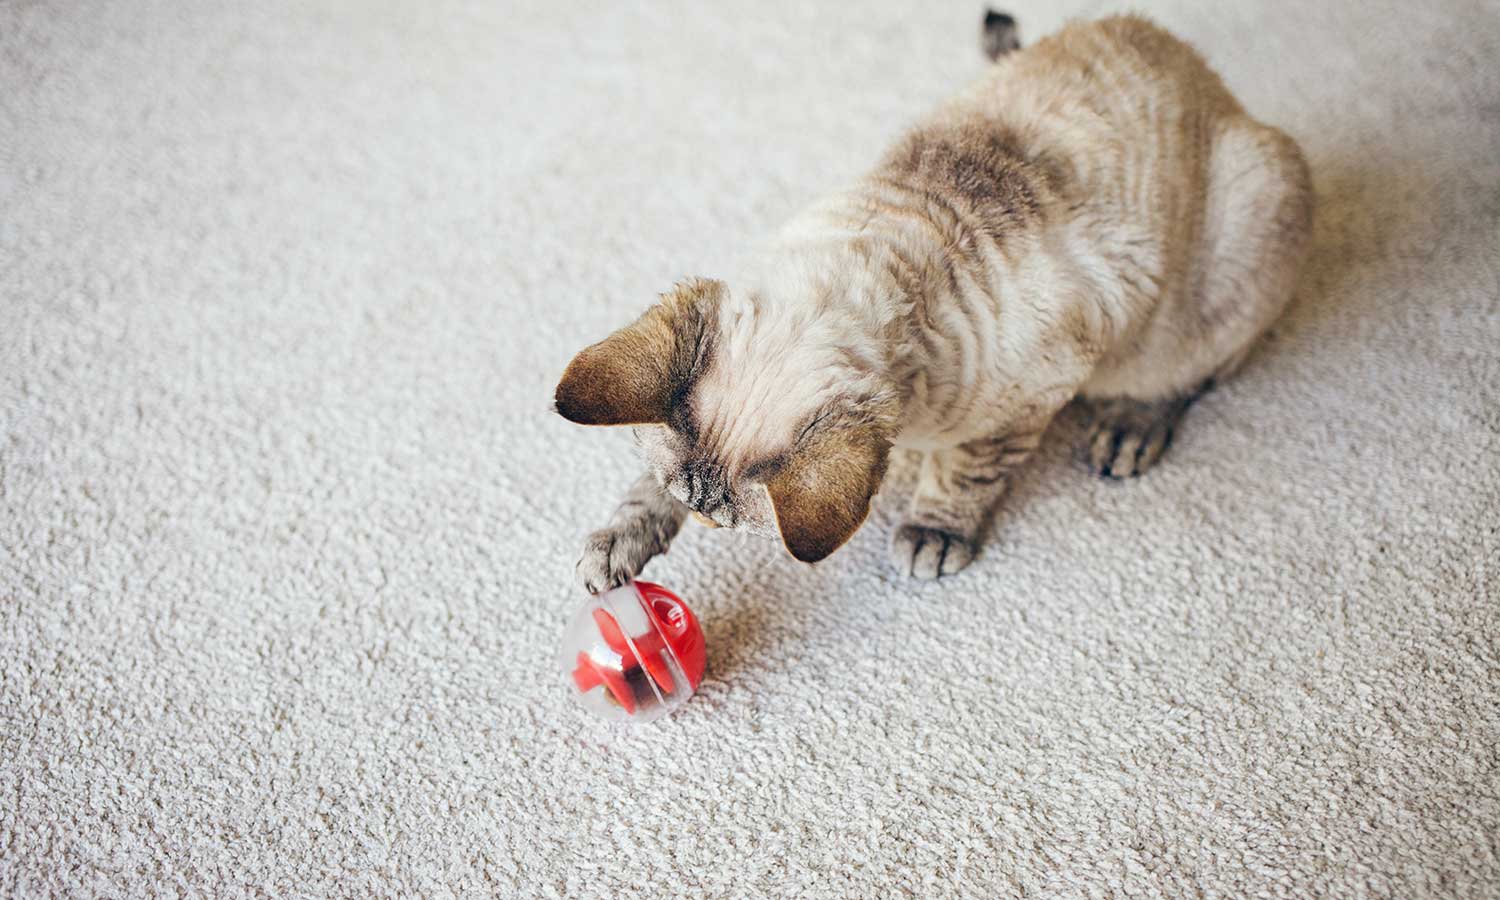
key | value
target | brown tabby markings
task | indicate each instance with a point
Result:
(979, 165)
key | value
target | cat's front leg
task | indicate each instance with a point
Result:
(957, 490)
(642, 526)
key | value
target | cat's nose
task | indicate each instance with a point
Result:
(704, 520)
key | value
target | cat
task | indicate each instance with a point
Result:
(1097, 218)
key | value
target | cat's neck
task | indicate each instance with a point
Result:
(904, 304)
(875, 293)
(820, 299)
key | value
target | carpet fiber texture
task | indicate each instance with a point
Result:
(287, 530)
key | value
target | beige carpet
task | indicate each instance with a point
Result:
(286, 532)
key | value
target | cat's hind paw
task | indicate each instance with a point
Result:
(1127, 437)
(923, 552)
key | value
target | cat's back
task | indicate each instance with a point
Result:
(1124, 70)
(1106, 105)
(1122, 56)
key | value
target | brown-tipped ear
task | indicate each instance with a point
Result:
(632, 376)
(822, 494)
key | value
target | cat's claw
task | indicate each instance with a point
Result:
(924, 552)
(1118, 452)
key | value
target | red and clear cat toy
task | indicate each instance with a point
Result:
(634, 653)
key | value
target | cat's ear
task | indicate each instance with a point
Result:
(821, 493)
(633, 376)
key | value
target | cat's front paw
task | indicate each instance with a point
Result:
(613, 556)
(924, 552)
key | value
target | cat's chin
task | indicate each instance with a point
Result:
(744, 527)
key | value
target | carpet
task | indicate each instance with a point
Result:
(287, 530)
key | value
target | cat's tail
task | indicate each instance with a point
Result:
(1000, 35)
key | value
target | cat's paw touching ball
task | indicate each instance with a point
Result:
(611, 557)
(923, 552)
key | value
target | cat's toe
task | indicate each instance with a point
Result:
(1119, 451)
(1127, 437)
(924, 552)
(607, 562)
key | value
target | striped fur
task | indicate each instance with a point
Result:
(1096, 217)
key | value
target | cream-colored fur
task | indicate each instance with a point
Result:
(1097, 217)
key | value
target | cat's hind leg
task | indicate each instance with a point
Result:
(957, 490)
(1258, 221)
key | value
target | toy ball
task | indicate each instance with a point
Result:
(633, 653)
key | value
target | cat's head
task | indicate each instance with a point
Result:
(751, 424)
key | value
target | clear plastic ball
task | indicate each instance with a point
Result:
(633, 653)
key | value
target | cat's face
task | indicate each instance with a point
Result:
(720, 492)
(799, 463)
